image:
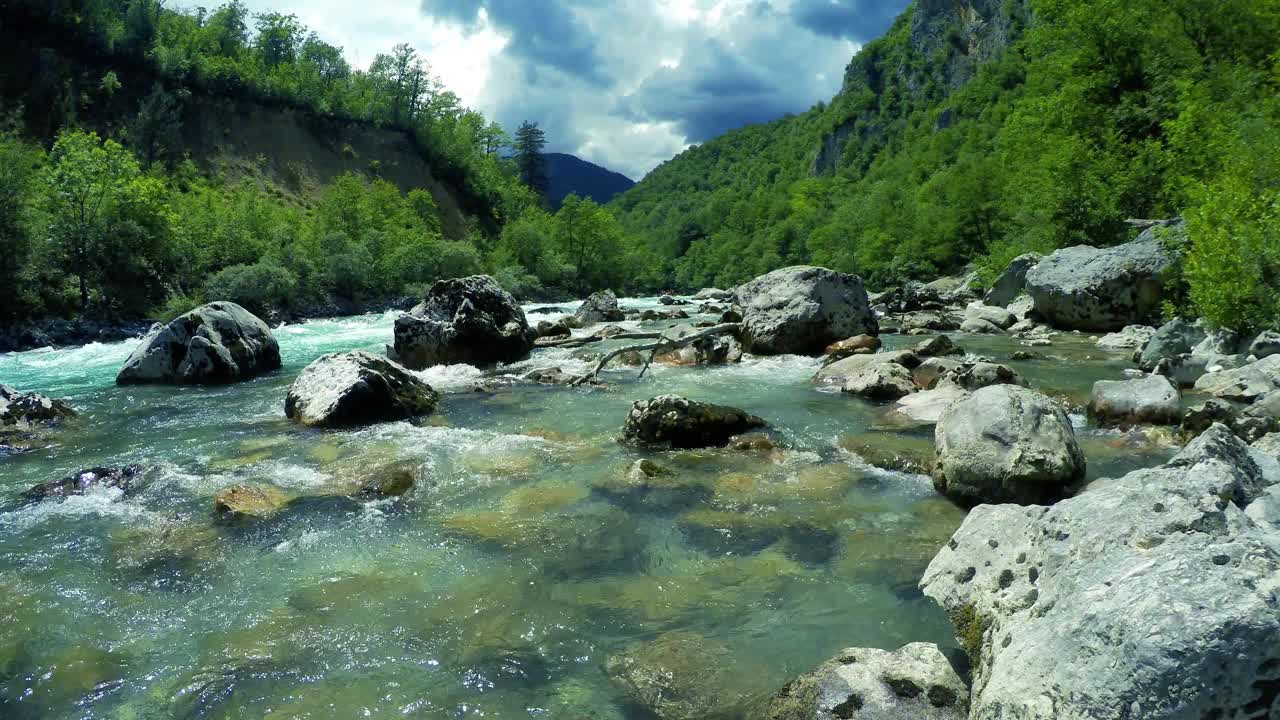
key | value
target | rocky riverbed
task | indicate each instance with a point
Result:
(499, 553)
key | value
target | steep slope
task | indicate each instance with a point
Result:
(569, 174)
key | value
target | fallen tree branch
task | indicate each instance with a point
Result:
(577, 342)
(663, 344)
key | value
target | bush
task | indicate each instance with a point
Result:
(258, 287)
(176, 306)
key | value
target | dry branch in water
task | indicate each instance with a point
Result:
(663, 345)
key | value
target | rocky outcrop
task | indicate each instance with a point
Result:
(1265, 344)
(1006, 443)
(671, 421)
(881, 381)
(21, 411)
(1132, 337)
(1245, 384)
(1102, 289)
(713, 294)
(1009, 285)
(600, 307)
(78, 483)
(356, 388)
(1148, 596)
(914, 682)
(468, 320)
(1171, 340)
(214, 344)
(1152, 399)
(802, 310)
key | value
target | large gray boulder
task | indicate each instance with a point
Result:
(1171, 340)
(1104, 289)
(1151, 399)
(600, 307)
(468, 320)
(914, 682)
(802, 310)
(1006, 443)
(1009, 285)
(1265, 344)
(672, 421)
(1152, 596)
(214, 344)
(1245, 384)
(356, 388)
(1132, 337)
(998, 316)
(842, 370)
(881, 381)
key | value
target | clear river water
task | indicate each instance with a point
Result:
(501, 585)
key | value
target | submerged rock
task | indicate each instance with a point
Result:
(646, 485)
(1148, 596)
(468, 320)
(249, 502)
(600, 307)
(671, 421)
(677, 676)
(78, 483)
(356, 388)
(214, 344)
(1088, 288)
(914, 682)
(1009, 285)
(802, 310)
(1152, 399)
(1006, 443)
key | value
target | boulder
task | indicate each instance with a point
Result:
(881, 381)
(671, 421)
(1152, 399)
(1132, 337)
(928, 407)
(1249, 424)
(1103, 289)
(249, 502)
(1009, 285)
(1149, 596)
(669, 300)
(356, 388)
(1006, 443)
(936, 346)
(469, 320)
(926, 320)
(713, 294)
(28, 411)
(214, 344)
(1244, 384)
(978, 326)
(802, 310)
(852, 346)
(841, 370)
(708, 351)
(553, 330)
(914, 682)
(998, 316)
(1021, 307)
(1169, 341)
(600, 307)
(977, 375)
(78, 483)
(1265, 344)
(928, 373)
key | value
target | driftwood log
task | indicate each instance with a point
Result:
(663, 344)
(577, 342)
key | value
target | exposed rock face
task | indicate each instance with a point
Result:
(802, 310)
(1006, 443)
(1245, 384)
(881, 381)
(27, 411)
(78, 483)
(1087, 288)
(1009, 285)
(1169, 341)
(214, 344)
(671, 421)
(915, 682)
(600, 307)
(1132, 337)
(468, 320)
(1149, 596)
(1265, 345)
(356, 388)
(1152, 399)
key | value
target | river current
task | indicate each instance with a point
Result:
(498, 587)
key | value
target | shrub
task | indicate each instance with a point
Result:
(258, 287)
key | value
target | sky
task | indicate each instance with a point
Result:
(625, 84)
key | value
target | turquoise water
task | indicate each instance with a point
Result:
(500, 586)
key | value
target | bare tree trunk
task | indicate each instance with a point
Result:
(663, 344)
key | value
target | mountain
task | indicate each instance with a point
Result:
(568, 174)
(976, 130)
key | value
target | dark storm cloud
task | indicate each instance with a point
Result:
(857, 20)
(542, 32)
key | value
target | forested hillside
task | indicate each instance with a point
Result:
(977, 130)
(568, 175)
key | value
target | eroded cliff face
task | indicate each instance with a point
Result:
(929, 53)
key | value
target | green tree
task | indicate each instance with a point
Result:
(530, 141)
(18, 162)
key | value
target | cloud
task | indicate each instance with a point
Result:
(857, 20)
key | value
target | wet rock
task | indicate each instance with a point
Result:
(1021, 307)
(1170, 340)
(1265, 345)
(840, 371)
(937, 346)
(1009, 285)
(882, 381)
(752, 442)
(999, 317)
(391, 480)
(1151, 400)
(852, 346)
(803, 309)
(1055, 605)
(669, 300)
(978, 326)
(973, 376)
(214, 344)
(646, 485)
(600, 307)
(557, 376)
(926, 321)
(1006, 443)
(1088, 288)
(927, 407)
(899, 453)
(1132, 337)
(78, 483)
(356, 388)
(915, 682)
(671, 421)
(557, 330)
(1025, 355)
(468, 320)
(677, 676)
(708, 351)
(249, 502)
(27, 411)
(1244, 384)
(713, 294)
(931, 371)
